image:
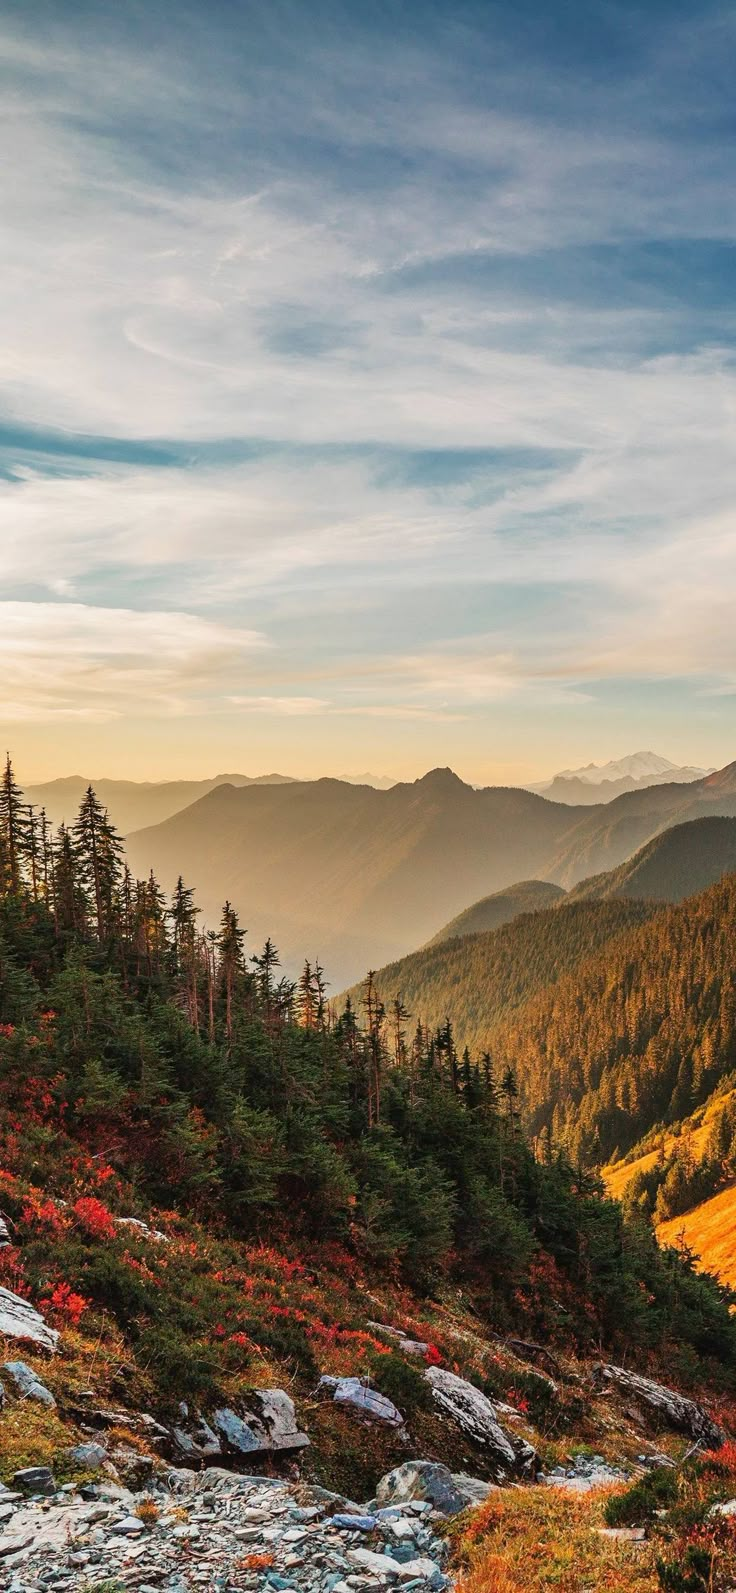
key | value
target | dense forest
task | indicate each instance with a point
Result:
(640, 1034)
(475, 981)
(149, 1064)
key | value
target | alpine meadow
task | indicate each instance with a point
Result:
(368, 1108)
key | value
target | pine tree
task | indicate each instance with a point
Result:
(99, 849)
(13, 831)
(231, 964)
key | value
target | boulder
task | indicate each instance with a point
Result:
(35, 1479)
(473, 1412)
(89, 1456)
(349, 1391)
(19, 1320)
(194, 1437)
(675, 1410)
(406, 1345)
(142, 1229)
(448, 1493)
(267, 1424)
(27, 1384)
(5, 1237)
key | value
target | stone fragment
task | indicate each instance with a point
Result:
(90, 1456)
(427, 1481)
(674, 1409)
(35, 1479)
(473, 1412)
(347, 1523)
(19, 1320)
(350, 1392)
(27, 1383)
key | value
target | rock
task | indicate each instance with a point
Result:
(142, 1229)
(5, 1236)
(235, 1433)
(134, 1470)
(381, 1565)
(426, 1569)
(367, 1401)
(473, 1412)
(89, 1456)
(685, 1415)
(429, 1480)
(35, 1479)
(348, 1523)
(194, 1436)
(406, 1345)
(726, 1508)
(267, 1424)
(128, 1527)
(19, 1320)
(27, 1384)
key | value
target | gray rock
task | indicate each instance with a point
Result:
(428, 1480)
(234, 1432)
(195, 1438)
(128, 1527)
(5, 1236)
(35, 1479)
(347, 1523)
(674, 1409)
(473, 1412)
(90, 1456)
(19, 1320)
(349, 1391)
(27, 1384)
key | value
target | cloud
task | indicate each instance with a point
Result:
(73, 662)
(333, 331)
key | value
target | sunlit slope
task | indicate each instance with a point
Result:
(697, 1127)
(710, 1231)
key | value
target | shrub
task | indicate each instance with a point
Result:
(405, 1385)
(641, 1502)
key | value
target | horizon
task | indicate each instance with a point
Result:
(369, 777)
(368, 387)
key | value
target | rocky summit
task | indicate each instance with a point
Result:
(216, 1529)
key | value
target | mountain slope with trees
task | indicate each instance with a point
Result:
(677, 863)
(530, 896)
(477, 980)
(149, 1068)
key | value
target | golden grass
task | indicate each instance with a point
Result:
(618, 1174)
(530, 1540)
(710, 1231)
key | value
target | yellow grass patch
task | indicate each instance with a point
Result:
(528, 1540)
(710, 1231)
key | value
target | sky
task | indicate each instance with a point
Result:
(367, 386)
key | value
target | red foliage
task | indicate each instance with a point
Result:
(94, 1217)
(64, 1303)
(432, 1356)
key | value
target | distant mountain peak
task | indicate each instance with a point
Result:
(442, 780)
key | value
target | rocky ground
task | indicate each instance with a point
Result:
(217, 1529)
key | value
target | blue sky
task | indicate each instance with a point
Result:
(367, 386)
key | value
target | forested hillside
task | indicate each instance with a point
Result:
(640, 1034)
(477, 980)
(674, 865)
(530, 896)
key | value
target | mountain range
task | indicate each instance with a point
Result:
(601, 782)
(133, 804)
(357, 876)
